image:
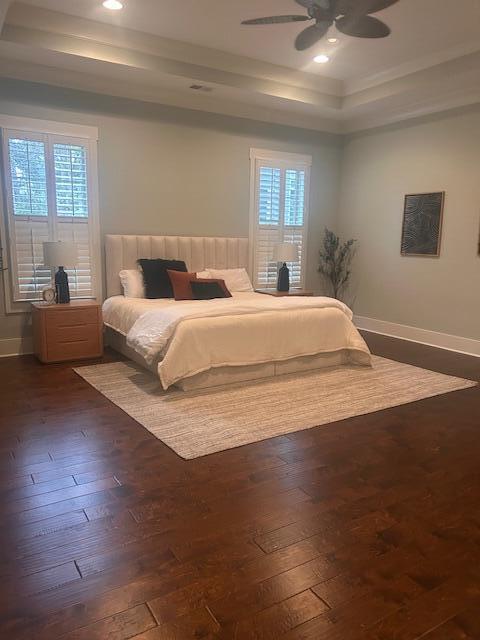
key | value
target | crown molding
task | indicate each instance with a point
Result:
(356, 85)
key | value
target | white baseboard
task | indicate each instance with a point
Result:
(468, 346)
(15, 346)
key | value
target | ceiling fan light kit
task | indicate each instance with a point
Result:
(351, 17)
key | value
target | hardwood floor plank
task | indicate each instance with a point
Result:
(272, 591)
(40, 582)
(60, 507)
(427, 612)
(44, 527)
(120, 626)
(107, 603)
(447, 631)
(469, 622)
(197, 623)
(278, 619)
(24, 495)
(69, 492)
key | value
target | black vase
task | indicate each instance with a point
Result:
(283, 283)
(61, 286)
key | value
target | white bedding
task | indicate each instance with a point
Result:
(250, 328)
(121, 313)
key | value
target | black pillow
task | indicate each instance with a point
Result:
(155, 276)
(207, 290)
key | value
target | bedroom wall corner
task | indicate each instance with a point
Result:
(379, 167)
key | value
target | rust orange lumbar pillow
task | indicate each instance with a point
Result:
(180, 280)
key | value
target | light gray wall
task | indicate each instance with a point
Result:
(441, 153)
(165, 170)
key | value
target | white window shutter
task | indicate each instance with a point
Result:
(71, 183)
(48, 199)
(279, 213)
(27, 176)
(295, 235)
(29, 274)
(268, 213)
(294, 221)
(80, 279)
(266, 267)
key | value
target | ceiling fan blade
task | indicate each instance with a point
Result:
(363, 27)
(311, 35)
(361, 7)
(277, 20)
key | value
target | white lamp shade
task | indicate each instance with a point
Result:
(60, 254)
(285, 252)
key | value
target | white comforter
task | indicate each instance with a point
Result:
(249, 328)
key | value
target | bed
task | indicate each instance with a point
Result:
(200, 344)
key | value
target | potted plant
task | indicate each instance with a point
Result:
(335, 262)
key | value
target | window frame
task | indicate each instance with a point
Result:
(50, 133)
(282, 160)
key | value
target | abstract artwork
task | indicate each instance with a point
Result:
(422, 224)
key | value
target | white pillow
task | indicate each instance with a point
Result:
(132, 283)
(235, 279)
(204, 274)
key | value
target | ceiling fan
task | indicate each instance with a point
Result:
(349, 16)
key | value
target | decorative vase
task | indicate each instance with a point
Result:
(61, 286)
(283, 278)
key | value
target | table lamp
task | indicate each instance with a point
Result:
(284, 252)
(61, 255)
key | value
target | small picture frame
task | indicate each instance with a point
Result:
(422, 224)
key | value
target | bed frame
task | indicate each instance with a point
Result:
(122, 252)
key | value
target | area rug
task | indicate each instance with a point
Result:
(197, 423)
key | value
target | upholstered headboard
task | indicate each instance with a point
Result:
(122, 252)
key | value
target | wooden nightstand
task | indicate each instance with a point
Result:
(280, 294)
(70, 331)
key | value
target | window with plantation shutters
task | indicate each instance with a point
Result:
(279, 212)
(49, 196)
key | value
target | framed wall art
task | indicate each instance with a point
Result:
(422, 224)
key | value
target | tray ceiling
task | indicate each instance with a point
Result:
(155, 50)
(421, 29)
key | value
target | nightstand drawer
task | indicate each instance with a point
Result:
(72, 317)
(74, 350)
(65, 334)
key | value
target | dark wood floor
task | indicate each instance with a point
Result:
(369, 528)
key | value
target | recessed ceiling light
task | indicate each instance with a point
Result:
(113, 5)
(332, 40)
(321, 59)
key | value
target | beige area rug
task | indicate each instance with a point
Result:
(197, 423)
